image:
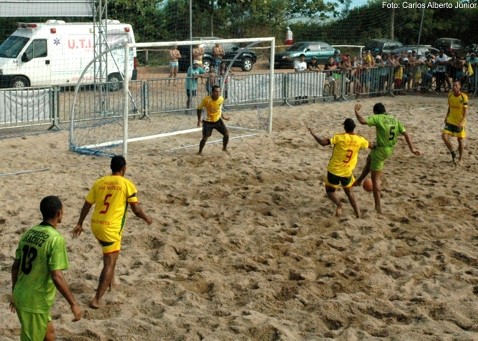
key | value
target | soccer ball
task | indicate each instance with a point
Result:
(367, 185)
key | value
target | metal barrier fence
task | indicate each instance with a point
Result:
(39, 109)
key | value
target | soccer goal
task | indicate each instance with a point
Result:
(106, 117)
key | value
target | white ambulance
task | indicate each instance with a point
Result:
(56, 53)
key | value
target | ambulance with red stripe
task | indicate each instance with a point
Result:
(57, 53)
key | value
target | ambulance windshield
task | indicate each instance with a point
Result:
(11, 47)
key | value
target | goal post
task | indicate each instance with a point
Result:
(155, 105)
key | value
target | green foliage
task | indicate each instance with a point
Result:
(143, 15)
(330, 21)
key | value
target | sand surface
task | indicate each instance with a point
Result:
(245, 246)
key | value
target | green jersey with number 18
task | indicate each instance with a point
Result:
(41, 249)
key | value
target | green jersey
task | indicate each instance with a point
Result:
(387, 127)
(40, 250)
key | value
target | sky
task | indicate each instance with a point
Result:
(358, 3)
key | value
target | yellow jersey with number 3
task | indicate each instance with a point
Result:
(110, 195)
(345, 154)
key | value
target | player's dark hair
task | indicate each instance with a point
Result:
(379, 108)
(215, 87)
(117, 163)
(50, 206)
(349, 125)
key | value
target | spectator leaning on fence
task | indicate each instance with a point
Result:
(471, 62)
(192, 81)
(345, 66)
(441, 62)
(331, 76)
(300, 65)
(314, 65)
(428, 74)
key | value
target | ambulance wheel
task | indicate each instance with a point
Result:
(115, 82)
(19, 82)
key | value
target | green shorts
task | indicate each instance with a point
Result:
(34, 325)
(379, 156)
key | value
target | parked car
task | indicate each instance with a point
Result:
(451, 46)
(245, 61)
(422, 50)
(318, 49)
(472, 48)
(379, 46)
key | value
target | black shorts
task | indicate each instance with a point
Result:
(453, 128)
(190, 93)
(208, 127)
(335, 181)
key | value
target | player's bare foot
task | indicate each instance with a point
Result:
(225, 150)
(453, 156)
(94, 304)
(338, 211)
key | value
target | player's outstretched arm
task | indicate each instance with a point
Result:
(321, 141)
(359, 116)
(199, 114)
(79, 226)
(138, 211)
(14, 275)
(62, 286)
(410, 144)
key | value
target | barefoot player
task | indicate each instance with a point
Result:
(342, 163)
(111, 196)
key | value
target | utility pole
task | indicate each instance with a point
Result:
(392, 23)
(100, 31)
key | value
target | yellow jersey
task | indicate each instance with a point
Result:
(213, 108)
(345, 154)
(456, 105)
(110, 195)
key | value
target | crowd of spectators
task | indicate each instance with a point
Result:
(408, 71)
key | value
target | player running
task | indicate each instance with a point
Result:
(388, 128)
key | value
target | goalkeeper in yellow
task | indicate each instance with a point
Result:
(111, 196)
(342, 163)
(213, 119)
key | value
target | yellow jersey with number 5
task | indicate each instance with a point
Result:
(110, 195)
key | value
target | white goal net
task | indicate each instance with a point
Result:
(106, 117)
